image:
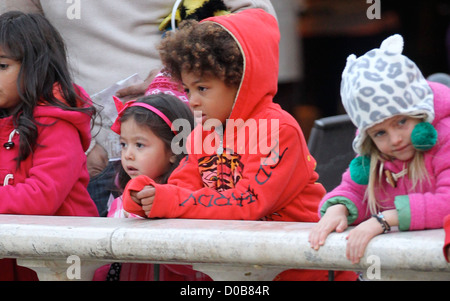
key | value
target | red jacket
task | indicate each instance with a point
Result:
(53, 179)
(246, 182)
(447, 237)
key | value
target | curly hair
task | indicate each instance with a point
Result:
(202, 48)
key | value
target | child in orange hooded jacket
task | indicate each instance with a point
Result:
(247, 158)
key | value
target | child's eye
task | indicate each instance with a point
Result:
(186, 90)
(378, 134)
(402, 121)
(202, 89)
(139, 145)
(4, 66)
(123, 145)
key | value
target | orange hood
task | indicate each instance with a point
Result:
(260, 79)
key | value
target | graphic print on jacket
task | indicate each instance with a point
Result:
(221, 172)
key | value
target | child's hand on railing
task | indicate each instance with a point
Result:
(334, 219)
(144, 198)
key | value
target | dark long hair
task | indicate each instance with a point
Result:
(174, 109)
(33, 41)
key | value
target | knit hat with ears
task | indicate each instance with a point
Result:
(383, 83)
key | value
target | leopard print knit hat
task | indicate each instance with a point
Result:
(383, 83)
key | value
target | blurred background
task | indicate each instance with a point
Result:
(318, 35)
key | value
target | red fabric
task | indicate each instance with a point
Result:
(145, 272)
(10, 271)
(447, 237)
(53, 179)
(315, 275)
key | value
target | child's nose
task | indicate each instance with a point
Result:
(396, 138)
(129, 154)
(194, 101)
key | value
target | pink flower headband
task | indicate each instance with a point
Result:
(132, 103)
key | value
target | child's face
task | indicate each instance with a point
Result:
(9, 71)
(209, 95)
(143, 153)
(393, 136)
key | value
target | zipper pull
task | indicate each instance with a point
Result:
(9, 145)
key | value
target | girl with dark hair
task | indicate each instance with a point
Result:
(153, 140)
(44, 128)
(154, 114)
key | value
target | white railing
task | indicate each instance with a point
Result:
(223, 249)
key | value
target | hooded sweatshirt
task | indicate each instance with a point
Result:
(244, 177)
(53, 179)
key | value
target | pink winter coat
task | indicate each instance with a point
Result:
(52, 180)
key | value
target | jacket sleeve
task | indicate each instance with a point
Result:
(349, 194)
(427, 210)
(254, 197)
(56, 165)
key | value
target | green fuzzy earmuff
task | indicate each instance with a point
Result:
(360, 169)
(424, 136)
